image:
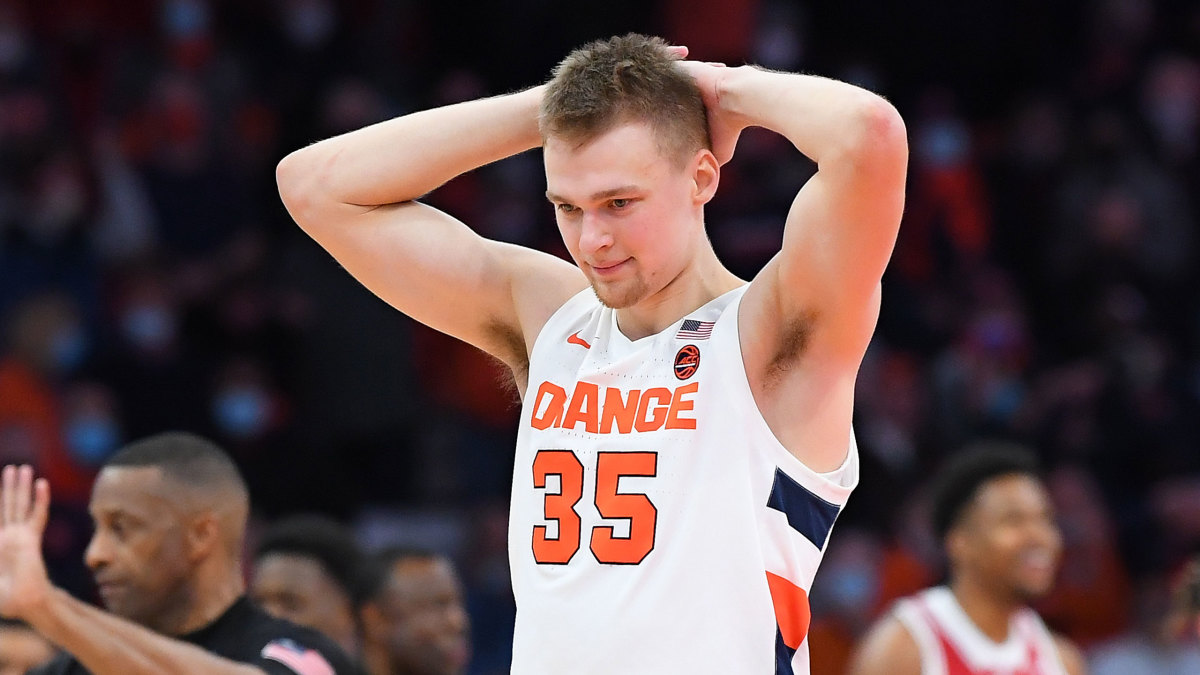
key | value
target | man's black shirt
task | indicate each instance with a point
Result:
(244, 633)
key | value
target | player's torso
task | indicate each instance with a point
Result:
(643, 472)
(950, 644)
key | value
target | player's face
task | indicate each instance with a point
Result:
(298, 589)
(1012, 541)
(22, 649)
(427, 622)
(138, 554)
(629, 216)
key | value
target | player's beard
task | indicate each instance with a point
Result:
(620, 295)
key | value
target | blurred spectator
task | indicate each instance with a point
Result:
(1090, 561)
(309, 570)
(1149, 648)
(842, 603)
(46, 341)
(415, 622)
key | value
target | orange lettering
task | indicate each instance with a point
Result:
(652, 422)
(679, 404)
(552, 415)
(622, 411)
(585, 407)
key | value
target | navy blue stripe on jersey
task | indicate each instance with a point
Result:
(807, 513)
(783, 655)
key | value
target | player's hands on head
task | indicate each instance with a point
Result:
(24, 509)
(723, 126)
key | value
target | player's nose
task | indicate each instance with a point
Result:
(594, 235)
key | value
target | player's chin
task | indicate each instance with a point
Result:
(1034, 587)
(454, 655)
(615, 296)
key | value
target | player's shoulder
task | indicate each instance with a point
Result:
(1069, 655)
(888, 648)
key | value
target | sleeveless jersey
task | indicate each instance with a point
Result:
(951, 644)
(657, 525)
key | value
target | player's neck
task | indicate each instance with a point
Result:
(694, 287)
(989, 611)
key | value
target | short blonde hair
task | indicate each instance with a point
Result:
(632, 78)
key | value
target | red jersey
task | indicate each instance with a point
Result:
(951, 644)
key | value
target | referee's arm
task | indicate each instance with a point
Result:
(109, 645)
(103, 643)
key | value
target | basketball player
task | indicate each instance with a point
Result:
(685, 441)
(309, 570)
(170, 512)
(993, 515)
(415, 621)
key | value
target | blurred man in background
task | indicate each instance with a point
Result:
(170, 514)
(21, 648)
(309, 570)
(993, 515)
(415, 622)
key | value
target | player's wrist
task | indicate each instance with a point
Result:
(39, 608)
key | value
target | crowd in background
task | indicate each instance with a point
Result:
(1044, 288)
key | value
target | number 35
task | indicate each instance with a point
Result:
(611, 504)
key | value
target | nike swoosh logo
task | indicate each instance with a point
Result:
(574, 339)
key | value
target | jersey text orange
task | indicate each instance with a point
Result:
(599, 411)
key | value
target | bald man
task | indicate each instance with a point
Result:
(170, 514)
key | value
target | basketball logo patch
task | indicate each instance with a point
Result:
(687, 360)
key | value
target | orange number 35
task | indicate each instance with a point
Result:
(610, 504)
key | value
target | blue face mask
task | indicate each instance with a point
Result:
(241, 412)
(68, 349)
(90, 440)
(853, 588)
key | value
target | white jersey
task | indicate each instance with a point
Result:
(951, 644)
(657, 525)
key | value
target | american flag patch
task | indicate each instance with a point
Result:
(301, 660)
(695, 330)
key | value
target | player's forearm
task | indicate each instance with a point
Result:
(109, 645)
(825, 119)
(403, 158)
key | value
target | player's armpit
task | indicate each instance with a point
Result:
(888, 649)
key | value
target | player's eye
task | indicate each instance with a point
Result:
(567, 208)
(620, 203)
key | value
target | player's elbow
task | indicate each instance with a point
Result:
(298, 177)
(880, 131)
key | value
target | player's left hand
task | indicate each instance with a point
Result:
(24, 509)
(724, 127)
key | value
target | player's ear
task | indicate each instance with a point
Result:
(706, 174)
(202, 535)
(956, 545)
